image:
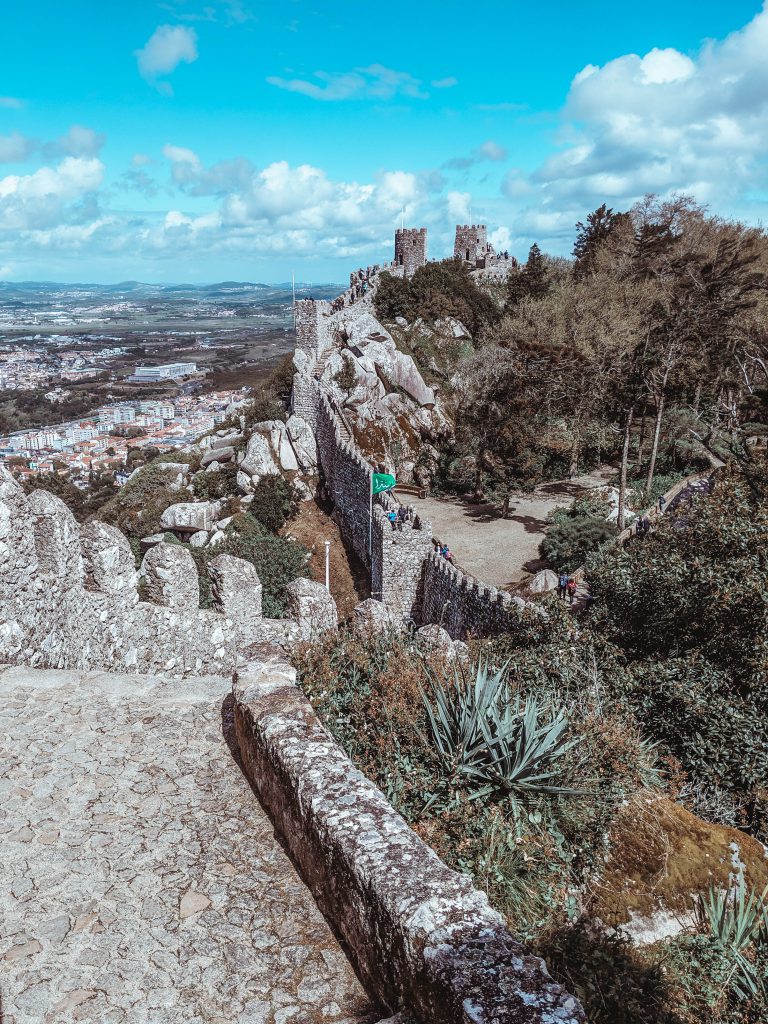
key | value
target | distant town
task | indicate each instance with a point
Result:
(100, 442)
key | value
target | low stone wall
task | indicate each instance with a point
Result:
(69, 598)
(420, 936)
(462, 604)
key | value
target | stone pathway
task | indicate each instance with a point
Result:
(140, 880)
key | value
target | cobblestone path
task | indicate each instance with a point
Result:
(140, 880)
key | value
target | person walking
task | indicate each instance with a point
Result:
(662, 503)
(562, 585)
(392, 517)
(571, 588)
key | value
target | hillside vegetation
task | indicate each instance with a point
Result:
(647, 348)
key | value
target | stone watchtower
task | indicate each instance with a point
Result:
(410, 249)
(471, 242)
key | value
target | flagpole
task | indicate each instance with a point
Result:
(370, 520)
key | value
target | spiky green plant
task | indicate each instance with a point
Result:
(736, 921)
(492, 745)
(456, 713)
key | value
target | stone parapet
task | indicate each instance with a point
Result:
(70, 598)
(419, 934)
(462, 605)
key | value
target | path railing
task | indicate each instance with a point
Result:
(652, 513)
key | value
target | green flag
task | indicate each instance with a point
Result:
(382, 482)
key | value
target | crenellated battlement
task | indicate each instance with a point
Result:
(71, 597)
(410, 249)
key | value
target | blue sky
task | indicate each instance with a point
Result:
(201, 140)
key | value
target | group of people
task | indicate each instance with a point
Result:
(445, 552)
(398, 519)
(360, 281)
(567, 587)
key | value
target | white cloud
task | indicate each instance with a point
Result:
(15, 148)
(180, 155)
(78, 141)
(372, 82)
(661, 66)
(445, 83)
(662, 122)
(11, 102)
(166, 48)
(458, 206)
(50, 195)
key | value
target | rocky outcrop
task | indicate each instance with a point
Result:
(662, 859)
(373, 618)
(259, 459)
(190, 516)
(543, 582)
(223, 454)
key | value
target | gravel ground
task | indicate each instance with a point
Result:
(501, 552)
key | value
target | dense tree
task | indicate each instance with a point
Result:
(593, 235)
(437, 290)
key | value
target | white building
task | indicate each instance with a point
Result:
(169, 371)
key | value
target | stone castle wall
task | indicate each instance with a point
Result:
(463, 605)
(70, 598)
(406, 574)
(394, 557)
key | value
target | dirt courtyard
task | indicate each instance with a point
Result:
(501, 552)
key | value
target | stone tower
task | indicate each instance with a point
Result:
(471, 242)
(410, 249)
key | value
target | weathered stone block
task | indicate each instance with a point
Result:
(170, 576)
(236, 590)
(109, 564)
(312, 607)
(57, 539)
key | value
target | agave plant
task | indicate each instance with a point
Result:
(737, 921)
(490, 744)
(456, 713)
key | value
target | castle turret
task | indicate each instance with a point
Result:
(410, 249)
(471, 243)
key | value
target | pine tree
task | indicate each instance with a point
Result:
(600, 223)
(531, 280)
(536, 274)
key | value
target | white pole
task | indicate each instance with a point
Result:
(370, 519)
(328, 565)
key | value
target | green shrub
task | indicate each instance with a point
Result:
(393, 298)
(278, 560)
(275, 501)
(219, 483)
(138, 505)
(263, 407)
(570, 542)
